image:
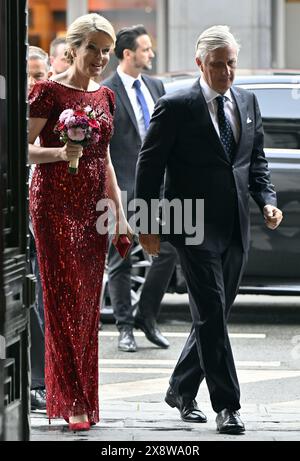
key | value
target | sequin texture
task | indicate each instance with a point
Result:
(71, 253)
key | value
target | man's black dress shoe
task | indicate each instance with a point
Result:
(126, 342)
(229, 422)
(151, 331)
(38, 399)
(188, 409)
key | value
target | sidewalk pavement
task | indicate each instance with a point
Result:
(138, 420)
(129, 414)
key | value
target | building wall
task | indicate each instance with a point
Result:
(50, 18)
(292, 34)
(268, 30)
(250, 21)
(47, 20)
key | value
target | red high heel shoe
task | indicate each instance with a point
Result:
(81, 426)
(92, 423)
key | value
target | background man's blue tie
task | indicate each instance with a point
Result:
(142, 102)
(226, 133)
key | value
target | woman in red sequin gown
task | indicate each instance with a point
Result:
(63, 209)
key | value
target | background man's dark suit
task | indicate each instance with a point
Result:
(182, 139)
(126, 141)
(124, 148)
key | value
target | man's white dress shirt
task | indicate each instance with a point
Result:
(128, 81)
(230, 108)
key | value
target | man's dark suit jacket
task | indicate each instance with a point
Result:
(182, 139)
(126, 141)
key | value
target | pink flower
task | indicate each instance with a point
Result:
(70, 122)
(66, 115)
(79, 126)
(76, 134)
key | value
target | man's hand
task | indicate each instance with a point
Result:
(273, 216)
(150, 243)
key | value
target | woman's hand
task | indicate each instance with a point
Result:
(123, 238)
(122, 227)
(71, 151)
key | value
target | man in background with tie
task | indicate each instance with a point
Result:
(136, 95)
(209, 140)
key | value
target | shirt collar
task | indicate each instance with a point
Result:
(127, 79)
(210, 94)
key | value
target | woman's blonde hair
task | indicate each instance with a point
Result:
(83, 26)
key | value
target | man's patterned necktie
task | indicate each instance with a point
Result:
(226, 134)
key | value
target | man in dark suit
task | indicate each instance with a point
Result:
(209, 139)
(136, 95)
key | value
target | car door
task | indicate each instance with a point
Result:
(274, 255)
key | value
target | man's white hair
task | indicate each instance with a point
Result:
(213, 38)
(35, 52)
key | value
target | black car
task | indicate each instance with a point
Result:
(273, 266)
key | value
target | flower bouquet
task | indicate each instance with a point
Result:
(79, 127)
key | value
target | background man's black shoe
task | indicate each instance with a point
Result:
(126, 342)
(188, 409)
(229, 422)
(38, 399)
(151, 331)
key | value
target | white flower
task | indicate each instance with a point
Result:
(88, 109)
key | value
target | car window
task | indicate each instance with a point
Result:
(281, 136)
(180, 84)
(278, 102)
(280, 109)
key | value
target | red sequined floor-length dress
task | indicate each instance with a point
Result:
(71, 253)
